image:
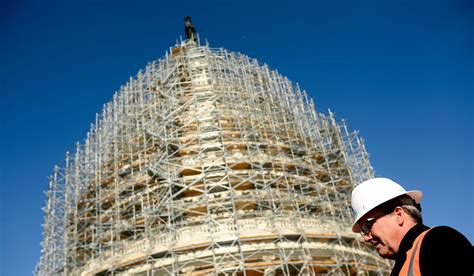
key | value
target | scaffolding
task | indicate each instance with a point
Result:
(208, 163)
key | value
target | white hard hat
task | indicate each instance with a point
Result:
(374, 192)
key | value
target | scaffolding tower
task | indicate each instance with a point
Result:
(208, 163)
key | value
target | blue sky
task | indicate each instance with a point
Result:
(401, 72)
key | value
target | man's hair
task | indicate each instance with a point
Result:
(408, 205)
(414, 213)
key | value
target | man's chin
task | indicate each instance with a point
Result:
(384, 254)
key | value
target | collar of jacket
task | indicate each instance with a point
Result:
(406, 244)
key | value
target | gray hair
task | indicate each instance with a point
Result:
(414, 213)
(408, 205)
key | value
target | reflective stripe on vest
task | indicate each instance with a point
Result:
(411, 267)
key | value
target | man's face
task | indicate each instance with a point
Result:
(187, 23)
(382, 233)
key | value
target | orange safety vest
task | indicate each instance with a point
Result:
(411, 267)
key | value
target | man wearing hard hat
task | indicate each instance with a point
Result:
(389, 217)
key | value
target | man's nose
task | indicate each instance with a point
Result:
(367, 237)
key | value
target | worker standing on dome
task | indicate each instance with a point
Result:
(189, 29)
(389, 217)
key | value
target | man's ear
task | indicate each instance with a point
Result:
(399, 215)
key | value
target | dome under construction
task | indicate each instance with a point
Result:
(208, 162)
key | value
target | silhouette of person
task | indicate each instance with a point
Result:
(189, 29)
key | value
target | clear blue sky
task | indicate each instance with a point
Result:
(400, 71)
